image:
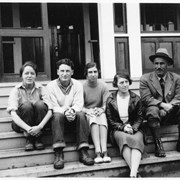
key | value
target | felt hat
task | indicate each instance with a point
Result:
(163, 53)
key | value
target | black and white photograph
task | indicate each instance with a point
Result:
(90, 89)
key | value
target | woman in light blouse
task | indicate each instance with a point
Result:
(29, 107)
(124, 114)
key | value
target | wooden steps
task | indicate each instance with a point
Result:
(18, 158)
(15, 162)
(5, 124)
(148, 168)
(19, 161)
(3, 112)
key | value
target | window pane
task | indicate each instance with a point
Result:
(32, 50)
(160, 17)
(16, 51)
(6, 15)
(8, 54)
(150, 46)
(21, 15)
(119, 17)
(122, 54)
(30, 15)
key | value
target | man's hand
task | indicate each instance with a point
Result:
(162, 113)
(166, 106)
(70, 114)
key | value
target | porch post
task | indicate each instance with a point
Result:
(133, 19)
(106, 37)
(87, 37)
(46, 34)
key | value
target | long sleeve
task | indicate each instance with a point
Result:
(139, 116)
(176, 98)
(78, 100)
(53, 93)
(113, 116)
(146, 95)
(61, 101)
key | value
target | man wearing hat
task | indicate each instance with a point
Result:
(160, 93)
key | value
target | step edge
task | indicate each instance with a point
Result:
(117, 162)
(14, 134)
(5, 119)
(19, 152)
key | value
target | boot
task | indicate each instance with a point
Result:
(159, 150)
(38, 143)
(29, 143)
(85, 158)
(59, 159)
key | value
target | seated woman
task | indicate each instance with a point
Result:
(124, 114)
(30, 108)
(95, 95)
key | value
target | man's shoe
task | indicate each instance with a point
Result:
(38, 144)
(159, 150)
(138, 175)
(178, 146)
(85, 158)
(59, 160)
(29, 144)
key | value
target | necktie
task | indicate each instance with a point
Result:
(161, 81)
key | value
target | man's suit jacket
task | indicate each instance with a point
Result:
(151, 93)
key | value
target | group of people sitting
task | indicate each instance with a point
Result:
(91, 109)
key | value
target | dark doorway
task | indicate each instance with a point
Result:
(66, 22)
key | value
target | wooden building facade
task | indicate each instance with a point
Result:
(118, 36)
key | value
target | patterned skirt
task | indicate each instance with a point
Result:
(100, 120)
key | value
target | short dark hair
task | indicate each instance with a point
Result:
(88, 66)
(66, 61)
(28, 63)
(121, 75)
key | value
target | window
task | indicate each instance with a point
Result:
(160, 17)
(151, 44)
(160, 27)
(122, 56)
(120, 18)
(23, 37)
(20, 15)
(16, 51)
(121, 39)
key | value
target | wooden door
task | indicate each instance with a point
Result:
(67, 44)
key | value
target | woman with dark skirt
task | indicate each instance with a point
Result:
(124, 114)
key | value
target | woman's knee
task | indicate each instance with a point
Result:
(16, 128)
(26, 106)
(40, 105)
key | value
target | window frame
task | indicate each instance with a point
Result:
(21, 32)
